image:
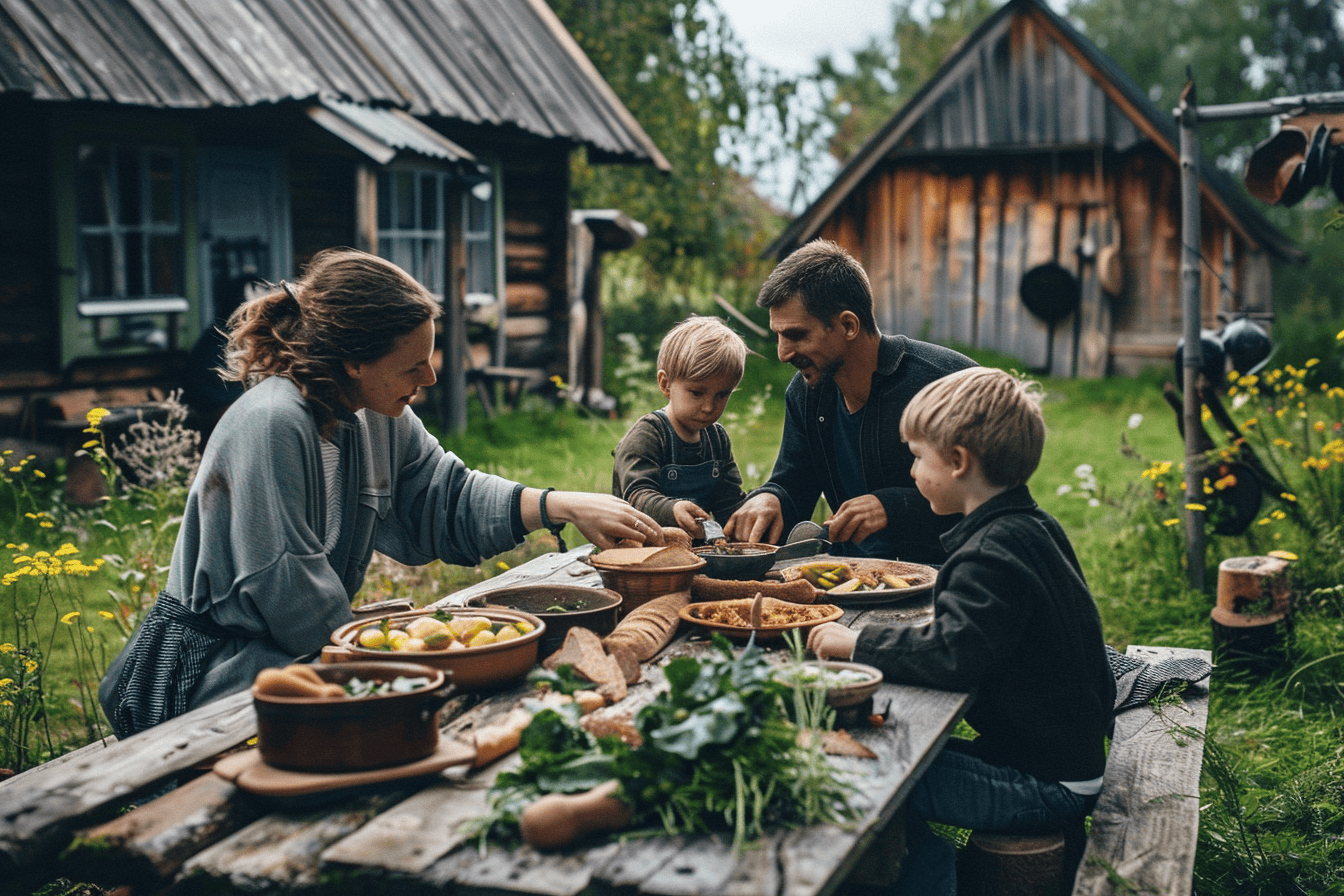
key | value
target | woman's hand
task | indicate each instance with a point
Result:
(832, 641)
(603, 519)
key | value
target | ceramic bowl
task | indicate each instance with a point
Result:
(561, 607)
(342, 734)
(473, 668)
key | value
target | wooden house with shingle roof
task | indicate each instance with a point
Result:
(154, 152)
(1031, 160)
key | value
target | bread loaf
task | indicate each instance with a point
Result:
(799, 591)
(647, 629)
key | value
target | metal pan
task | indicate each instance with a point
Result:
(749, 560)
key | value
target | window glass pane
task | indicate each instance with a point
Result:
(165, 265)
(128, 188)
(384, 204)
(136, 276)
(162, 188)
(93, 186)
(478, 213)
(95, 275)
(431, 266)
(480, 267)
(429, 202)
(405, 204)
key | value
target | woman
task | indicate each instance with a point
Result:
(319, 463)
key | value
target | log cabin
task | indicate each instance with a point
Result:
(1027, 200)
(157, 155)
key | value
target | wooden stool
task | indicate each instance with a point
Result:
(1011, 865)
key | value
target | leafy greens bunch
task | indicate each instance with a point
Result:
(719, 751)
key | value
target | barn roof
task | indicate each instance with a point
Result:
(484, 62)
(990, 96)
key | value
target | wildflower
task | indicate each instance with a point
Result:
(1199, 507)
(106, 615)
(502, 566)
(1064, 489)
(39, 474)
(30, 666)
(70, 617)
(7, 648)
(1283, 555)
(66, 549)
(1288, 497)
(1135, 420)
(6, 682)
(1174, 521)
(95, 417)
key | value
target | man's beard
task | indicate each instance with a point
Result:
(825, 374)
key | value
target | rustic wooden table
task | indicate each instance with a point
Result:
(70, 818)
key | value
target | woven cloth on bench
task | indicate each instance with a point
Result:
(1137, 681)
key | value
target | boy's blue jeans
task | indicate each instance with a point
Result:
(966, 792)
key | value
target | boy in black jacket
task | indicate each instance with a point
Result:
(1013, 622)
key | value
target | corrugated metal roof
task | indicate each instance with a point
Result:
(487, 62)
(992, 96)
(381, 133)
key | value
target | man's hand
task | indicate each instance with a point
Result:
(759, 520)
(857, 518)
(832, 641)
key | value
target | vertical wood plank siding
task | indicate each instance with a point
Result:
(1022, 157)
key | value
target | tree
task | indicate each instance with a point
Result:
(683, 74)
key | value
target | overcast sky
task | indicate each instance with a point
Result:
(789, 35)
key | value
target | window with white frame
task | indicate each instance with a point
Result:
(413, 227)
(129, 224)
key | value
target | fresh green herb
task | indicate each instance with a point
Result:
(719, 752)
(562, 680)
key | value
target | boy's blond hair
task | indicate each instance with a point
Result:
(989, 412)
(699, 348)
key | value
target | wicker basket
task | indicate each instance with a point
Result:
(639, 585)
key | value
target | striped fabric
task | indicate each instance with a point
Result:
(335, 482)
(1137, 681)
(171, 652)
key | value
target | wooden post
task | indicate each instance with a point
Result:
(1192, 353)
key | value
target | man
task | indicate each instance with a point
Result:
(842, 415)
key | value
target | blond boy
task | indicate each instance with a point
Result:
(676, 463)
(1014, 622)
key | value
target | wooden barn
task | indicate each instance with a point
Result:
(155, 154)
(1027, 200)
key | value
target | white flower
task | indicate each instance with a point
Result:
(1093, 502)
(1064, 489)
(1135, 420)
(1239, 399)
(1082, 471)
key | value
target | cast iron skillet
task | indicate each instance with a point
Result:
(749, 560)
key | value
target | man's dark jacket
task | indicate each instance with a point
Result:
(806, 467)
(1013, 621)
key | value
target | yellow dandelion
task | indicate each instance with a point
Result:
(66, 550)
(30, 666)
(1171, 522)
(6, 682)
(7, 648)
(106, 615)
(95, 416)
(1288, 497)
(502, 566)
(70, 617)
(39, 474)
(1199, 507)
(1283, 555)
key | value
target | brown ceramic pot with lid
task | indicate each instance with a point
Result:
(343, 734)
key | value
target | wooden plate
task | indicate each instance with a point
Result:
(805, 617)
(848, 693)
(920, 577)
(247, 771)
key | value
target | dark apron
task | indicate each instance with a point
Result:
(162, 666)
(692, 482)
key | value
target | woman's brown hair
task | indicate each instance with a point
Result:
(348, 306)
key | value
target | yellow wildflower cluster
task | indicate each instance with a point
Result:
(48, 564)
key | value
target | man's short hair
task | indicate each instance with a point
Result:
(989, 412)
(700, 348)
(827, 279)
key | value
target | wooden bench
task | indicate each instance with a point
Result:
(1146, 822)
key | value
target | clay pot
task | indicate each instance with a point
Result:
(342, 734)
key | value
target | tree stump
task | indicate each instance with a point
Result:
(1011, 865)
(1253, 619)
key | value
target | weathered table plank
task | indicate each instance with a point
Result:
(1146, 822)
